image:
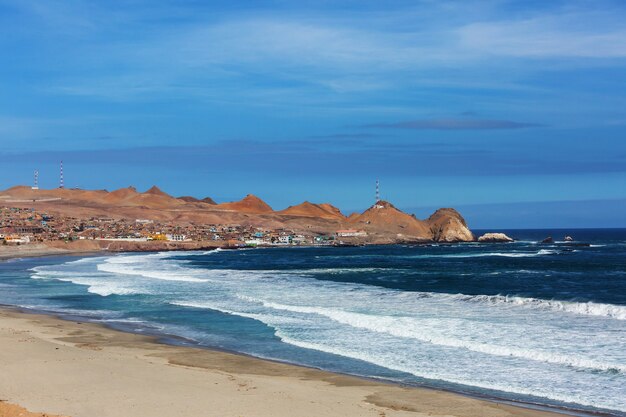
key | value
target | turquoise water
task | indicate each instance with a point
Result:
(544, 324)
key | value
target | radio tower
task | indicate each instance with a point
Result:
(61, 182)
(36, 182)
(377, 191)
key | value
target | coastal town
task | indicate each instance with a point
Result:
(19, 226)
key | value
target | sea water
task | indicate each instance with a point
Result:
(523, 321)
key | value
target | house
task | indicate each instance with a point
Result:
(175, 237)
(285, 239)
(298, 239)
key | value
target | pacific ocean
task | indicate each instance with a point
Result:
(523, 321)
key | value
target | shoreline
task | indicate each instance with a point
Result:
(100, 344)
(164, 341)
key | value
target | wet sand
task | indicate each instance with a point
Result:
(54, 366)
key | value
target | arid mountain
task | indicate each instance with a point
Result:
(209, 200)
(249, 204)
(154, 190)
(307, 209)
(385, 219)
(189, 199)
(383, 223)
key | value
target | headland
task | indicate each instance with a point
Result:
(77, 221)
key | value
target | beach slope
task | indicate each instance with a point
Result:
(85, 370)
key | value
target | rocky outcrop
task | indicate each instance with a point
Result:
(494, 238)
(447, 225)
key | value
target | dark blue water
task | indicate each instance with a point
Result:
(542, 323)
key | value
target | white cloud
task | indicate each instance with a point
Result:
(555, 36)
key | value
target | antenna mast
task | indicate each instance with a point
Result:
(377, 191)
(61, 182)
(36, 180)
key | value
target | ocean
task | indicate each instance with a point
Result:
(538, 323)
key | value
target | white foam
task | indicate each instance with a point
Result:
(394, 364)
(612, 311)
(512, 254)
(409, 327)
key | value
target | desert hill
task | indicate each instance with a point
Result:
(190, 199)
(307, 209)
(249, 204)
(384, 218)
(154, 190)
(383, 223)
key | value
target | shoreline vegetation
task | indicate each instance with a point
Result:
(70, 368)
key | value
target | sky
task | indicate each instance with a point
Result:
(513, 112)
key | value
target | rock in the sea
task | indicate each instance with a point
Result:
(568, 239)
(447, 225)
(548, 240)
(494, 237)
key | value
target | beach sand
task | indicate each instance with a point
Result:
(49, 365)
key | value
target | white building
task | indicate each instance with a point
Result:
(351, 233)
(284, 239)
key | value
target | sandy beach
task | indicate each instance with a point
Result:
(49, 365)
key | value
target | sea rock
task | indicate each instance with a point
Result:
(447, 225)
(494, 237)
(568, 239)
(548, 240)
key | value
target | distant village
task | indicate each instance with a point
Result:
(20, 226)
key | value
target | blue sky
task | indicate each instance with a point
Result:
(515, 107)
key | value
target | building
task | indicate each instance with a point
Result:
(286, 239)
(351, 233)
(175, 237)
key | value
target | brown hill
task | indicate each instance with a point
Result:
(447, 225)
(189, 199)
(307, 209)
(120, 195)
(384, 218)
(154, 190)
(333, 210)
(249, 204)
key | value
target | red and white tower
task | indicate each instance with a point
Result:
(377, 191)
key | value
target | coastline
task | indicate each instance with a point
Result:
(76, 369)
